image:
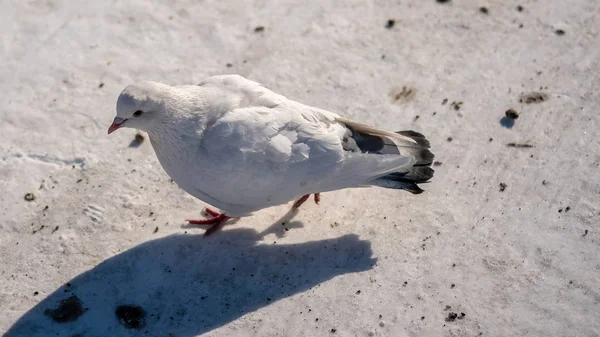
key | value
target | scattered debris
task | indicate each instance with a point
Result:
(132, 316)
(437, 163)
(37, 230)
(259, 29)
(512, 114)
(155, 230)
(54, 230)
(502, 187)
(568, 208)
(29, 197)
(519, 145)
(333, 330)
(402, 95)
(390, 24)
(456, 105)
(451, 316)
(68, 310)
(533, 97)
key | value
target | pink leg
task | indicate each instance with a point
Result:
(217, 221)
(304, 198)
(300, 201)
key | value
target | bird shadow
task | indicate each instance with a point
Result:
(187, 285)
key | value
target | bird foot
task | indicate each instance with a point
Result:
(217, 220)
(300, 201)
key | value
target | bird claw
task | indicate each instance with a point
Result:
(217, 221)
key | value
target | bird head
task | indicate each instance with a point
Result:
(139, 106)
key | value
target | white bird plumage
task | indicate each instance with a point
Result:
(240, 147)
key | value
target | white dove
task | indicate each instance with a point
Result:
(240, 147)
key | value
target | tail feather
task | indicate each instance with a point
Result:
(365, 139)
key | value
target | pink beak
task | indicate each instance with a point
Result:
(117, 122)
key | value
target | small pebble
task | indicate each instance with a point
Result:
(29, 197)
(390, 24)
(259, 29)
(512, 114)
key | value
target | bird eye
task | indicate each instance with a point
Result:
(138, 113)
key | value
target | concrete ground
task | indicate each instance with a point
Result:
(504, 242)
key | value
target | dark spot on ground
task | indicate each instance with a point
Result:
(132, 316)
(560, 210)
(101, 85)
(484, 10)
(585, 232)
(511, 113)
(519, 8)
(456, 105)
(155, 230)
(55, 229)
(568, 208)
(229, 65)
(259, 29)
(452, 286)
(333, 330)
(449, 139)
(451, 316)
(68, 310)
(544, 182)
(533, 97)
(402, 95)
(444, 101)
(559, 32)
(29, 197)
(442, 1)
(358, 292)
(437, 163)
(137, 140)
(390, 23)
(519, 145)
(35, 293)
(503, 187)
